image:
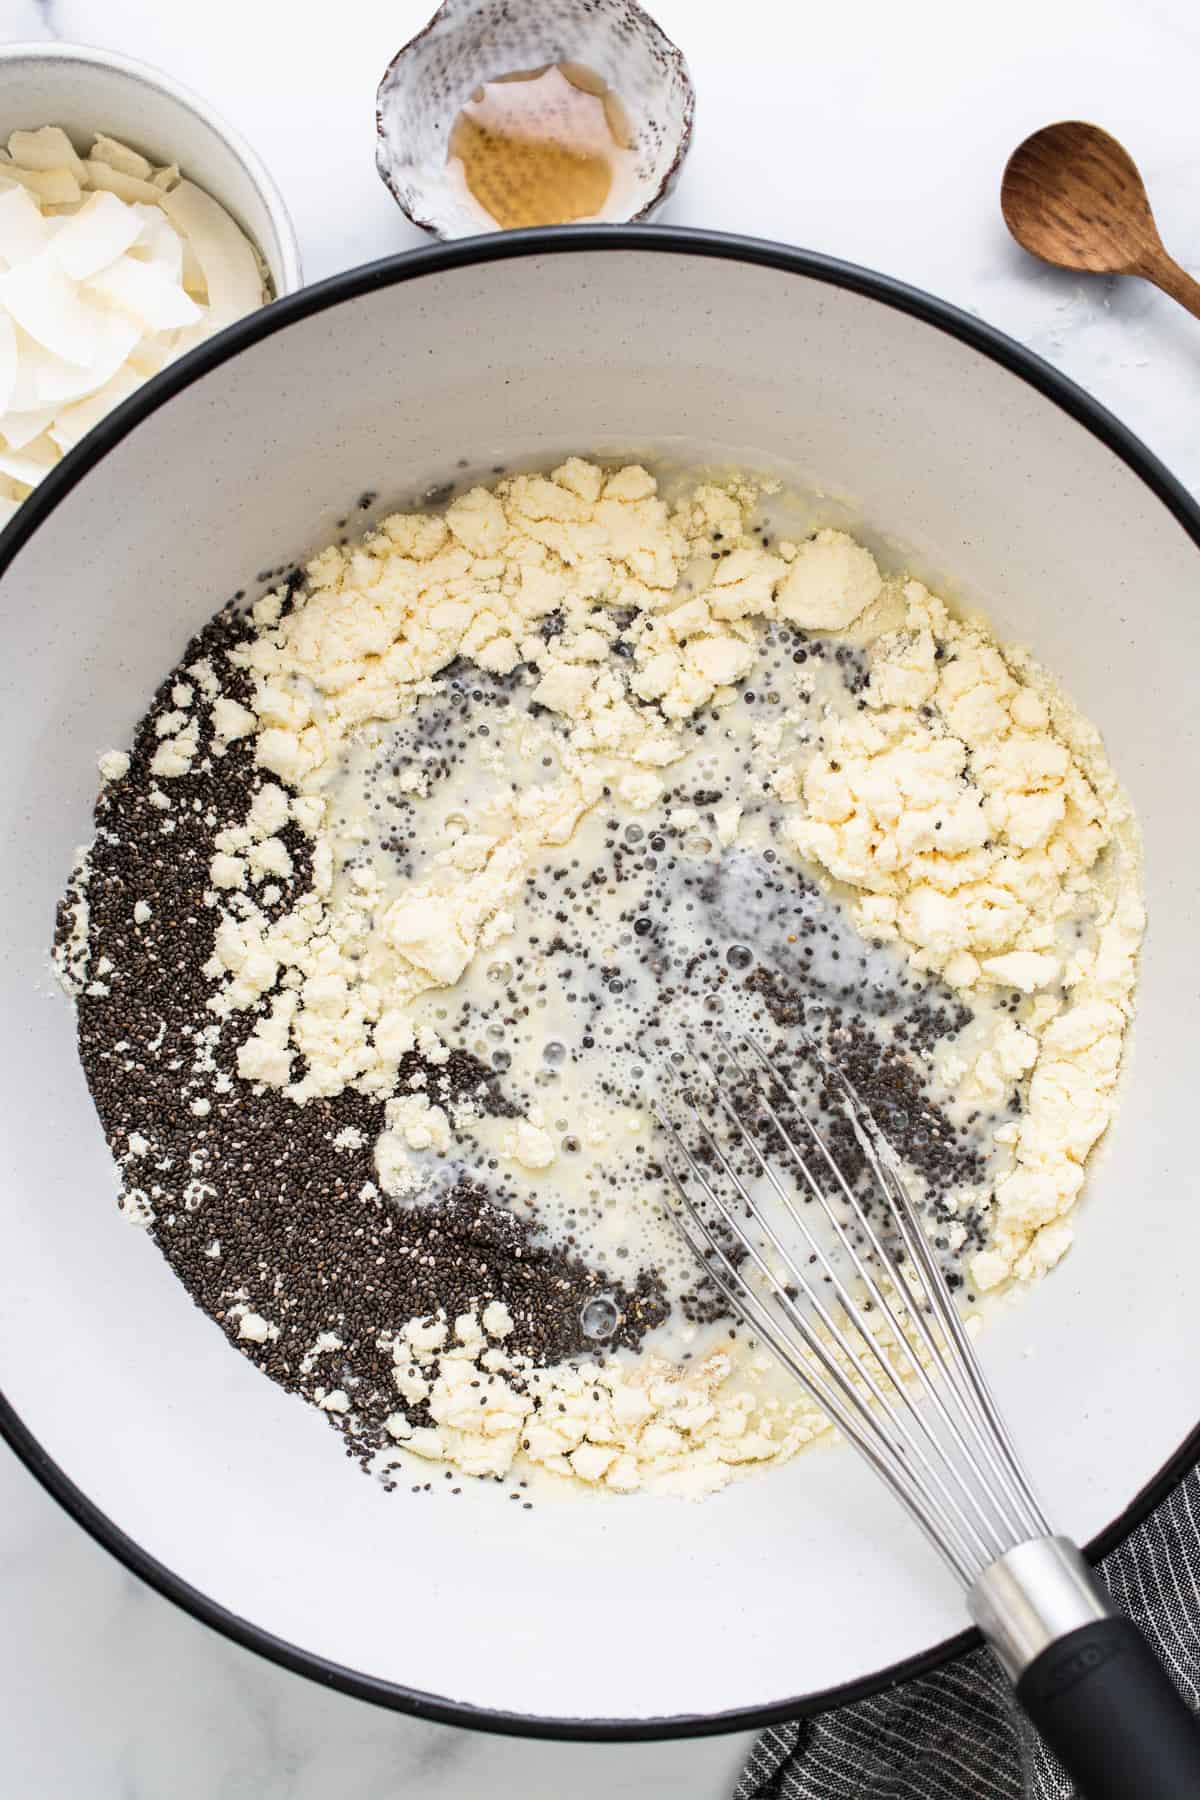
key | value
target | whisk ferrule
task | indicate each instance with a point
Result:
(1031, 1597)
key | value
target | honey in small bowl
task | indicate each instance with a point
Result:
(545, 146)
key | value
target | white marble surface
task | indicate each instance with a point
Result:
(869, 130)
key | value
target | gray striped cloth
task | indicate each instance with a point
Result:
(957, 1733)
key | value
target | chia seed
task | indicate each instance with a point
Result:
(302, 1235)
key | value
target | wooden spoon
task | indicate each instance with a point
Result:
(1073, 196)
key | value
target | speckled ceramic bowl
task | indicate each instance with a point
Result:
(956, 454)
(468, 42)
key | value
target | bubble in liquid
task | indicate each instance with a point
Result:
(739, 956)
(554, 1052)
(501, 1060)
(599, 1317)
(634, 834)
(500, 972)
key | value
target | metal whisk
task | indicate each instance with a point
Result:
(846, 1290)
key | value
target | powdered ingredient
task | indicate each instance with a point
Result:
(961, 814)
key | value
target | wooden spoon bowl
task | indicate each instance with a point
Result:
(1072, 195)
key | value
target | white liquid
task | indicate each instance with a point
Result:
(642, 929)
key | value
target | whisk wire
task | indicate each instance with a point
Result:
(1017, 1506)
(979, 1529)
(961, 1370)
(973, 1505)
(847, 1409)
(915, 1303)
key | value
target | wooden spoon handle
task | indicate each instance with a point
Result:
(1166, 274)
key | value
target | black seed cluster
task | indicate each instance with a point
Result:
(948, 1162)
(253, 1204)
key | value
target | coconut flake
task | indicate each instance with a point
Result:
(32, 464)
(120, 157)
(158, 241)
(47, 148)
(153, 354)
(95, 236)
(20, 428)
(144, 291)
(8, 364)
(192, 335)
(193, 274)
(52, 309)
(46, 380)
(75, 421)
(231, 273)
(57, 187)
(23, 230)
(125, 187)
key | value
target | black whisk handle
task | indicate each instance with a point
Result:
(1106, 1706)
(1086, 1676)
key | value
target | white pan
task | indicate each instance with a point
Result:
(979, 466)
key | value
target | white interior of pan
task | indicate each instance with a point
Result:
(631, 1608)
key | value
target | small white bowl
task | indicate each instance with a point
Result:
(468, 42)
(86, 90)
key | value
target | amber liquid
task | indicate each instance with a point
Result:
(543, 146)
